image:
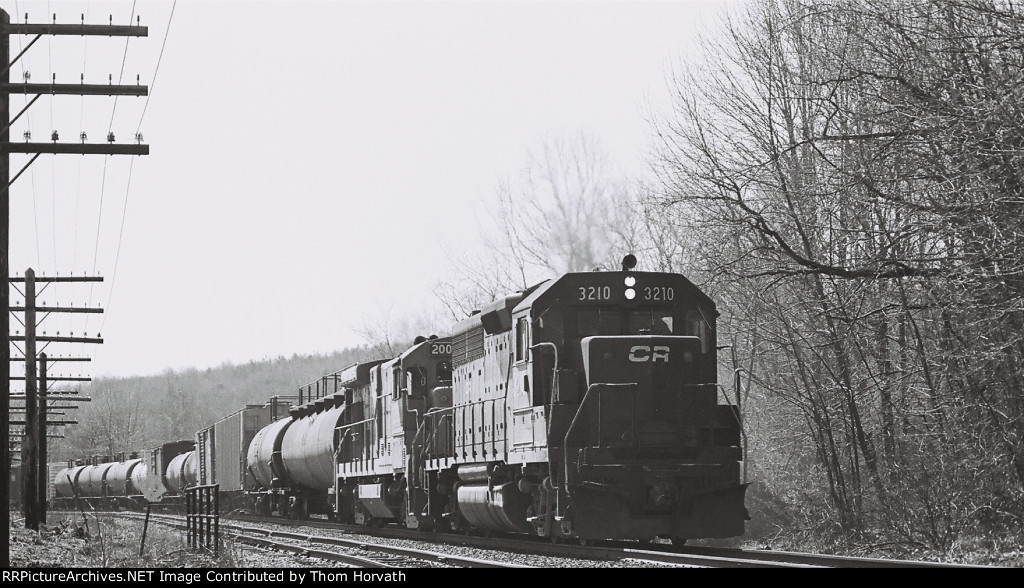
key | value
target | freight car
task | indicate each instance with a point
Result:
(158, 474)
(221, 450)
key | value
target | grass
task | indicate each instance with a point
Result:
(108, 541)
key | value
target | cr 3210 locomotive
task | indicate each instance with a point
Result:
(584, 407)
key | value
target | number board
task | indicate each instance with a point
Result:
(440, 348)
(643, 291)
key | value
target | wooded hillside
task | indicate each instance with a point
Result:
(128, 414)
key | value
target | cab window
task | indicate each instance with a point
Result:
(597, 322)
(522, 338)
(651, 321)
(444, 372)
(416, 381)
(396, 382)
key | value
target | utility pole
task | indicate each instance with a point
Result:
(29, 455)
(33, 462)
(6, 148)
(44, 472)
(5, 299)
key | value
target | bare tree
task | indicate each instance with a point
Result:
(564, 211)
(852, 171)
(115, 420)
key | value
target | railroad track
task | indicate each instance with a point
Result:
(653, 554)
(352, 552)
(356, 548)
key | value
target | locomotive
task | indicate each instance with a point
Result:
(584, 407)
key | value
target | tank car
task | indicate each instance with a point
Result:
(182, 472)
(120, 488)
(290, 461)
(91, 480)
(221, 450)
(84, 480)
(65, 480)
(585, 407)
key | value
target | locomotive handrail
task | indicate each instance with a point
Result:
(739, 420)
(572, 425)
(334, 474)
(419, 429)
(341, 442)
(551, 406)
(412, 455)
(350, 425)
(345, 429)
(433, 433)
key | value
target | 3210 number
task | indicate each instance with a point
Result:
(659, 293)
(595, 293)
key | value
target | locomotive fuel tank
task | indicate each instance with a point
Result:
(489, 505)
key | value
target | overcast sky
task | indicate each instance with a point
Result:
(309, 161)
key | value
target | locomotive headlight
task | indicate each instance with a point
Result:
(630, 293)
(630, 281)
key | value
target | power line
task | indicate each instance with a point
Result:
(131, 167)
(157, 69)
